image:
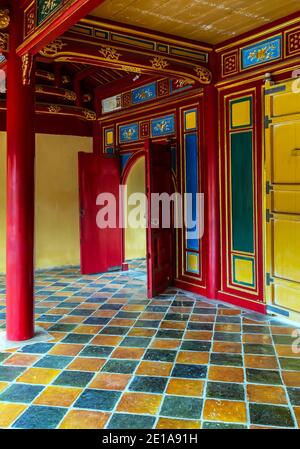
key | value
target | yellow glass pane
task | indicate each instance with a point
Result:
(192, 262)
(109, 138)
(243, 270)
(241, 114)
(190, 120)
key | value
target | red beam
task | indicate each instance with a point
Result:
(61, 22)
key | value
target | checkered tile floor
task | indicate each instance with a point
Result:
(118, 360)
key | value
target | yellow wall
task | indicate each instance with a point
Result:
(57, 205)
(135, 239)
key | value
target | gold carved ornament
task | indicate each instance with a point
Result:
(130, 69)
(54, 108)
(3, 41)
(27, 62)
(53, 48)
(158, 62)
(203, 74)
(4, 18)
(70, 95)
(89, 115)
(110, 54)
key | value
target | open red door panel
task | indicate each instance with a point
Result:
(159, 238)
(100, 248)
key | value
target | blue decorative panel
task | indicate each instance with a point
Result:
(163, 126)
(129, 133)
(191, 180)
(265, 51)
(144, 93)
(124, 159)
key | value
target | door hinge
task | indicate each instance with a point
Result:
(269, 187)
(269, 215)
(269, 279)
(268, 121)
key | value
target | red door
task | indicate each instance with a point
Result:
(100, 248)
(159, 239)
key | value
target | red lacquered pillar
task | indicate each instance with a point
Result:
(20, 191)
(212, 189)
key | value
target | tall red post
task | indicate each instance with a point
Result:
(20, 191)
(212, 191)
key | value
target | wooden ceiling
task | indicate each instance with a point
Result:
(210, 21)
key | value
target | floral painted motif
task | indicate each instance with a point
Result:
(163, 126)
(261, 53)
(46, 7)
(129, 133)
(144, 93)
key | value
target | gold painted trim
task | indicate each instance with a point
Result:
(151, 35)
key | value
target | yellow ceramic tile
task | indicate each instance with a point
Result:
(140, 403)
(185, 387)
(3, 385)
(81, 419)
(168, 423)
(38, 376)
(58, 396)
(9, 413)
(225, 411)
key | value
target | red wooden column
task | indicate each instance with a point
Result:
(20, 191)
(212, 190)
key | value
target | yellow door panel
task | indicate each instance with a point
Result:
(286, 153)
(287, 296)
(282, 198)
(287, 202)
(286, 235)
(286, 104)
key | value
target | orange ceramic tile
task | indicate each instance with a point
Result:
(58, 311)
(72, 319)
(165, 344)
(57, 336)
(44, 325)
(286, 351)
(173, 325)
(128, 353)
(105, 313)
(203, 318)
(254, 322)
(9, 413)
(19, 359)
(66, 349)
(229, 312)
(86, 364)
(106, 340)
(168, 423)
(254, 427)
(151, 316)
(227, 347)
(121, 322)
(193, 357)
(266, 394)
(58, 396)
(282, 330)
(291, 378)
(84, 419)
(154, 368)
(140, 332)
(139, 403)
(260, 361)
(227, 328)
(87, 329)
(134, 308)
(185, 387)
(180, 309)
(38, 376)
(117, 300)
(89, 305)
(110, 381)
(198, 335)
(3, 385)
(257, 338)
(297, 414)
(225, 411)
(226, 374)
